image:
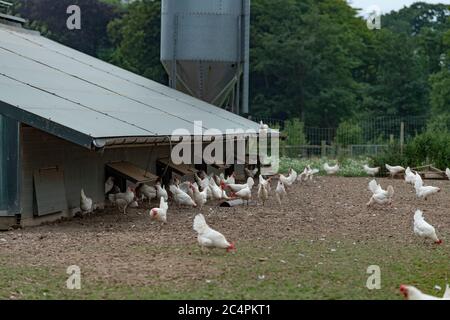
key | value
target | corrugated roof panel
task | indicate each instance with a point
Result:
(82, 86)
(122, 74)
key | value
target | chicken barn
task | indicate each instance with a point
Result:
(68, 120)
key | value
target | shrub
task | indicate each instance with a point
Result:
(349, 132)
(430, 147)
(392, 156)
(295, 131)
(349, 167)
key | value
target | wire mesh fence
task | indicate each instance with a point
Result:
(363, 138)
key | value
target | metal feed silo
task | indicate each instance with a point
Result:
(205, 49)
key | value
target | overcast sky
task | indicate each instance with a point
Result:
(388, 5)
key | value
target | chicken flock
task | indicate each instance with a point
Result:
(212, 188)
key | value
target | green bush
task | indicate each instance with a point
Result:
(439, 123)
(349, 132)
(392, 155)
(430, 147)
(295, 131)
(348, 167)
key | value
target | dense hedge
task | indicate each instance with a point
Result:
(430, 147)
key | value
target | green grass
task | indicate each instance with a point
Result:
(348, 167)
(293, 270)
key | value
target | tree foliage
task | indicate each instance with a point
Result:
(314, 60)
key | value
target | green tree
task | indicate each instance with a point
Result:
(136, 37)
(295, 132)
(348, 133)
(49, 17)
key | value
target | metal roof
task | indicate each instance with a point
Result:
(83, 99)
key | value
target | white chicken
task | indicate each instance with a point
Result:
(371, 171)
(161, 192)
(412, 293)
(216, 191)
(244, 194)
(263, 193)
(230, 180)
(186, 187)
(447, 172)
(203, 183)
(280, 192)
(265, 182)
(86, 204)
(237, 187)
(109, 185)
(424, 191)
(410, 177)
(311, 172)
(303, 176)
(424, 229)
(330, 170)
(290, 179)
(123, 200)
(208, 237)
(394, 170)
(251, 173)
(180, 197)
(379, 195)
(148, 192)
(293, 175)
(263, 128)
(127, 196)
(200, 198)
(160, 214)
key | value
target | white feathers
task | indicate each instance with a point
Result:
(251, 173)
(109, 185)
(447, 172)
(290, 179)
(424, 229)
(263, 193)
(180, 197)
(237, 187)
(161, 192)
(208, 237)
(86, 204)
(412, 293)
(424, 191)
(410, 177)
(200, 198)
(280, 192)
(379, 195)
(371, 171)
(394, 170)
(330, 170)
(160, 214)
(148, 192)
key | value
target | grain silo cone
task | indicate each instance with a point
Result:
(205, 49)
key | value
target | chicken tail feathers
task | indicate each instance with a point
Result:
(200, 223)
(418, 215)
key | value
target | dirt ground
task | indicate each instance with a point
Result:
(122, 249)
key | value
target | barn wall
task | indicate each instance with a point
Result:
(9, 165)
(82, 168)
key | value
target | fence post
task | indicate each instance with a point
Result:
(323, 149)
(402, 136)
(391, 138)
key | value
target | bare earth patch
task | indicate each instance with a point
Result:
(130, 250)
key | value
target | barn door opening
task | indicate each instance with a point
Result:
(49, 191)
